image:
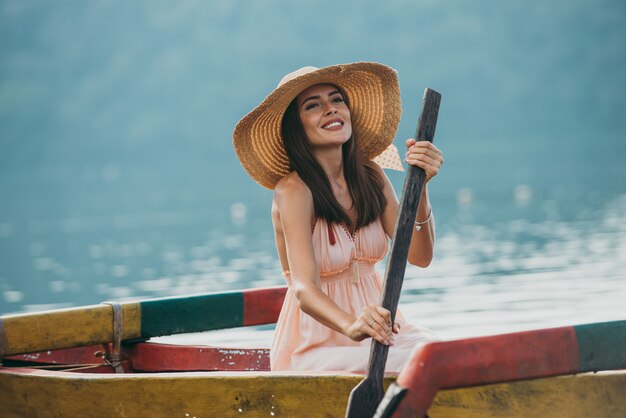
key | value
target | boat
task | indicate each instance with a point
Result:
(99, 361)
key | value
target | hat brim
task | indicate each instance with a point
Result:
(375, 107)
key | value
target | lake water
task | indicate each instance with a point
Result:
(515, 259)
(118, 178)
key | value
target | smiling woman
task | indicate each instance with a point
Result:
(312, 141)
(317, 129)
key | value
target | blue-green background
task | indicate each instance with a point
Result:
(118, 176)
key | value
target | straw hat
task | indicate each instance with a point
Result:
(373, 93)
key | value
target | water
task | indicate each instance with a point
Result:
(519, 262)
(118, 179)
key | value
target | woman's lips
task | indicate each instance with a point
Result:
(333, 125)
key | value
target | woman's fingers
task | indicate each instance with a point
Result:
(423, 159)
(426, 156)
(381, 338)
(425, 147)
(429, 165)
(379, 323)
(411, 143)
(375, 322)
(374, 331)
(383, 331)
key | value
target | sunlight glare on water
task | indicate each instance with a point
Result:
(511, 276)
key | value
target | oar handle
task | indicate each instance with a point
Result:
(396, 264)
(366, 396)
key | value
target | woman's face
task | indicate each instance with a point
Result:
(325, 115)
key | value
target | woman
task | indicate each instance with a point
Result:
(311, 141)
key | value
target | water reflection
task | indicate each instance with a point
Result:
(543, 269)
(520, 275)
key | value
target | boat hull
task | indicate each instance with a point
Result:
(44, 393)
(94, 362)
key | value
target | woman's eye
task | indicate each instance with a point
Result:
(338, 99)
(310, 106)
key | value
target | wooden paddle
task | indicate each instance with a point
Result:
(366, 396)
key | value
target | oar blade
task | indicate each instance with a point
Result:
(364, 398)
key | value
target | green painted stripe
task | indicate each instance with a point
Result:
(191, 314)
(601, 346)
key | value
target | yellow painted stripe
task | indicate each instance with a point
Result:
(161, 395)
(598, 395)
(260, 395)
(65, 328)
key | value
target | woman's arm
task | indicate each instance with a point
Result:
(294, 203)
(425, 155)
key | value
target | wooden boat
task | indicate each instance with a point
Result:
(97, 361)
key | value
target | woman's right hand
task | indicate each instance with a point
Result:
(374, 321)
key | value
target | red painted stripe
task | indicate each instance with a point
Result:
(483, 360)
(262, 306)
(75, 355)
(150, 357)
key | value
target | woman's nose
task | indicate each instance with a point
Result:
(329, 108)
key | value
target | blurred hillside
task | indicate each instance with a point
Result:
(128, 107)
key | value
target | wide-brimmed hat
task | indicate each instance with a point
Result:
(373, 93)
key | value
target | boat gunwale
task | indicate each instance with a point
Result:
(28, 371)
(142, 319)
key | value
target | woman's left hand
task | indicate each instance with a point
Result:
(425, 155)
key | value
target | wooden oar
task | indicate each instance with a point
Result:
(366, 396)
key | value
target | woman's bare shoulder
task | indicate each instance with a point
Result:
(291, 187)
(292, 200)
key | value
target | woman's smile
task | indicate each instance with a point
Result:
(333, 124)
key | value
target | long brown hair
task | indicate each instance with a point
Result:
(364, 181)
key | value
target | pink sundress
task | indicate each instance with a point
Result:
(349, 278)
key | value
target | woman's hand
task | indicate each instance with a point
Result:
(374, 321)
(425, 155)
